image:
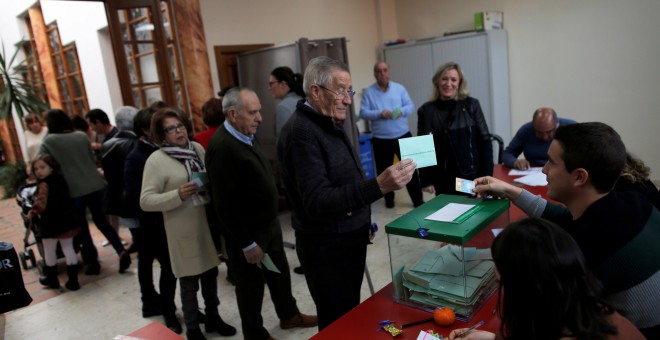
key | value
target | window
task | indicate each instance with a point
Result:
(67, 71)
(33, 75)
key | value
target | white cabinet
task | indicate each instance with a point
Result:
(485, 62)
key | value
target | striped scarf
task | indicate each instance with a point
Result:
(186, 155)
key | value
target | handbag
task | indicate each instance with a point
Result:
(13, 294)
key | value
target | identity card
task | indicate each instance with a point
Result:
(464, 185)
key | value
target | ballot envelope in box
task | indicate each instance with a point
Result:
(440, 253)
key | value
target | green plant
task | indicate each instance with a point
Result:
(12, 178)
(15, 91)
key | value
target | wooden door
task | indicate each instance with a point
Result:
(225, 59)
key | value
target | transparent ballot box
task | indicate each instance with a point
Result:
(446, 264)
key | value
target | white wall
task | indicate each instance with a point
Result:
(285, 21)
(79, 22)
(591, 60)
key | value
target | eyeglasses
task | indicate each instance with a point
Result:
(270, 83)
(175, 128)
(339, 95)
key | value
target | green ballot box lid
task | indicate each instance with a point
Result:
(460, 231)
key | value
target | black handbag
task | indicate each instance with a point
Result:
(13, 294)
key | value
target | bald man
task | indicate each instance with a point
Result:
(533, 140)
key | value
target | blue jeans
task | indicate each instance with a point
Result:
(94, 202)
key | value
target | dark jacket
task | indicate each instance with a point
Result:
(462, 144)
(323, 176)
(133, 173)
(243, 190)
(54, 206)
(113, 156)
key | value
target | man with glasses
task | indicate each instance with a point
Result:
(533, 140)
(328, 191)
(387, 106)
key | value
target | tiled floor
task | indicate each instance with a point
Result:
(109, 304)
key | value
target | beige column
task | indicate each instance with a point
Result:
(194, 56)
(45, 57)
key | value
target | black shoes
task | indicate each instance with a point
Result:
(214, 323)
(195, 334)
(150, 309)
(173, 323)
(50, 279)
(72, 272)
(124, 261)
(93, 268)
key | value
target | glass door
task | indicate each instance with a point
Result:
(146, 53)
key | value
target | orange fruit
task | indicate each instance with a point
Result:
(444, 316)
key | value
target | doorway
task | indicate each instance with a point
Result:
(225, 60)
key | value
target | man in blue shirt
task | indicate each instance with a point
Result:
(533, 140)
(387, 105)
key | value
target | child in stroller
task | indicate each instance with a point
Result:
(54, 207)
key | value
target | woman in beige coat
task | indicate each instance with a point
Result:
(173, 184)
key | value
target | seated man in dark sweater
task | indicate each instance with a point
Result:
(618, 232)
(533, 140)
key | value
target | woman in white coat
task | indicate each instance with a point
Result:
(170, 184)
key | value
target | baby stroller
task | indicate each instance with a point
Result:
(25, 197)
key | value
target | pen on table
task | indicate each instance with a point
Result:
(470, 329)
(417, 322)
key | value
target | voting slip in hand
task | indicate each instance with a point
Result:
(421, 149)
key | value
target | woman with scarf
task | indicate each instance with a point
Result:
(173, 183)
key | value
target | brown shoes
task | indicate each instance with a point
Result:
(300, 320)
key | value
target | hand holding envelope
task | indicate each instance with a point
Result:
(396, 176)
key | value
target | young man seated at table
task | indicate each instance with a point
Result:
(618, 232)
(533, 140)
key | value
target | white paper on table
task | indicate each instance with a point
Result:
(516, 172)
(537, 179)
(449, 212)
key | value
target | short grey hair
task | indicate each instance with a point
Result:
(319, 71)
(124, 118)
(232, 99)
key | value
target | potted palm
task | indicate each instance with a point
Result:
(16, 94)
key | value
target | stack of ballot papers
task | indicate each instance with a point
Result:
(449, 277)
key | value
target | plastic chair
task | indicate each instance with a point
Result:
(500, 142)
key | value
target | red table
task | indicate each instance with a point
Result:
(362, 321)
